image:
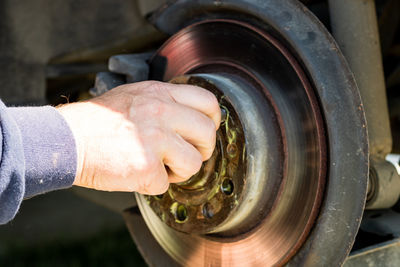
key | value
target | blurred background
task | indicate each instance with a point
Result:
(63, 229)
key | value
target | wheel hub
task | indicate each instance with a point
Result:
(221, 198)
(201, 204)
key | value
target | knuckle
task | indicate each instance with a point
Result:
(164, 185)
(197, 162)
(192, 165)
(210, 136)
(153, 163)
(140, 188)
(156, 134)
(148, 166)
(121, 88)
(208, 153)
(155, 106)
(212, 101)
(145, 185)
(210, 133)
(158, 184)
(156, 87)
(162, 190)
(129, 89)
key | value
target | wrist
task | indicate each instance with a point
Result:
(72, 114)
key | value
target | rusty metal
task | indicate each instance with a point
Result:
(210, 197)
(287, 203)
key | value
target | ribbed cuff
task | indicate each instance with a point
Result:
(49, 149)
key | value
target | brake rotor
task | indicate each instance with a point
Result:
(257, 198)
(287, 182)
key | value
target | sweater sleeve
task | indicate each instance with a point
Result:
(38, 154)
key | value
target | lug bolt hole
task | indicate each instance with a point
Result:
(181, 213)
(227, 187)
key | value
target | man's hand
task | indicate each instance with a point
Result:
(127, 136)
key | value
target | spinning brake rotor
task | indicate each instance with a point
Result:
(256, 199)
(287, 181)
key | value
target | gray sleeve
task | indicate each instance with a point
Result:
(38, 154)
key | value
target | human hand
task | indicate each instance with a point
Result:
(127, 136)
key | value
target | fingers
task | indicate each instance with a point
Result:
(182, 159)
(196, 98)
(193, 126)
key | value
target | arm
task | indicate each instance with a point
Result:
(120, 141)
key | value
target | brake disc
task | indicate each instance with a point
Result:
(268, 171)
(287, 181)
